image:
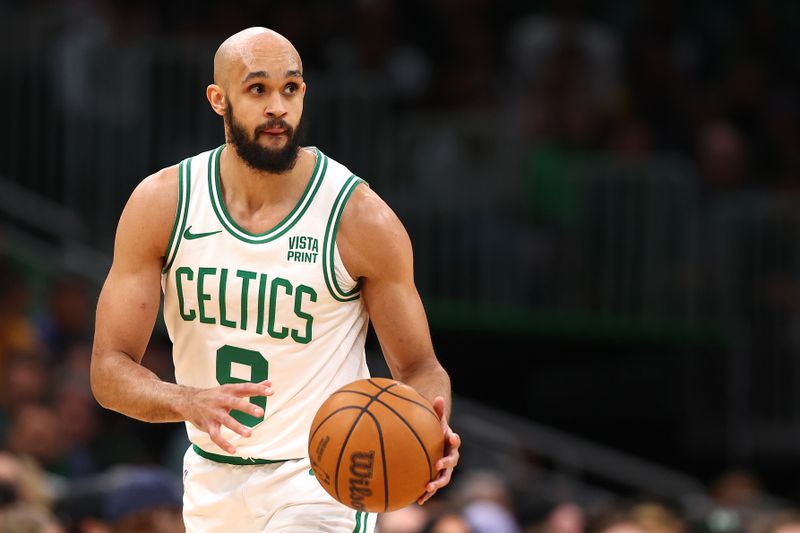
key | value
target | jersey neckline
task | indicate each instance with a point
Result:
(230, 225)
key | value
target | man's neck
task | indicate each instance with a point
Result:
(256, 188)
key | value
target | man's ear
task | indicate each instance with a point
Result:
(216, 97)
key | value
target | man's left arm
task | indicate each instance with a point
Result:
(376, 249)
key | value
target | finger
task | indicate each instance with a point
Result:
(217, 439)
(246, 406)
(425, 497)
(452, 442)
(447, 462)
(233, 424)
(249, 389)
(266, 384)
(441, 480)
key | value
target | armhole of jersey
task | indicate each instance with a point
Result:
(184, 184)
(329, 251)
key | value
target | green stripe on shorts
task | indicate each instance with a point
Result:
(231, 460)
(361, 527)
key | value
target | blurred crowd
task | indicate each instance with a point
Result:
(65, 463)
(716, 82)
(68, 466)
(481, 501)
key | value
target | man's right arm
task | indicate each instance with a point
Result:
(126, 313)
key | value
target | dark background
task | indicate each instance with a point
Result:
(602, 198)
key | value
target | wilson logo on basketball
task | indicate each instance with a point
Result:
(361, 464)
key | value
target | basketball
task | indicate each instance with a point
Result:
(374, 444)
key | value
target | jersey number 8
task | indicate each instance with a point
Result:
(259, 370)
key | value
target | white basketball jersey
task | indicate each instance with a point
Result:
(243, 307)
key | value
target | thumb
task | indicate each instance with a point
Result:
(438, 407)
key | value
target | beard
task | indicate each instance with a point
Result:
(258, 157)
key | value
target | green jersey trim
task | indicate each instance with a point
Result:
(218, 203)
(232, 460)
(329, 243)
(181, 213)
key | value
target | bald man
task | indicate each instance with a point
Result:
(272, 259)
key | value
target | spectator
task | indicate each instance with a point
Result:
(448, 522)
(80, 509)
(722, 157)
(411, 519)
(655, 517)
(486, 504)
(737, 488)
(640, 517)
(80, 409)
(26, 380)
(564, 518)
(537, 40)
(614, 520)
(145, 499)
(35, 431)
(783, 521)
(9, 480)
(16, 333)
(25, 518)
(739, 500)
(22, 481)
(67, 321)
(123, 499)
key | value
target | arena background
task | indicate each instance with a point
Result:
(602, 196)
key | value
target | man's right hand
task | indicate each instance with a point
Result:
(210, 409)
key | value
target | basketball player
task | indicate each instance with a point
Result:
(272, 259)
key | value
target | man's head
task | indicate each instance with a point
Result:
(259, 89)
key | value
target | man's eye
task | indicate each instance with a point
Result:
(291, 88)
(257, 89)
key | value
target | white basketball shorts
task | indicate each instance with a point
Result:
(280, 497)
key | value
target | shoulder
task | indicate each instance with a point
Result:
(371, 236)
(158, 185)
(150, 211)
(367, 211)
(156, 196)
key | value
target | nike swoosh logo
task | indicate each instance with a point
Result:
(189, 235)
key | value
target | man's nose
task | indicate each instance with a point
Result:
(274, 106)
